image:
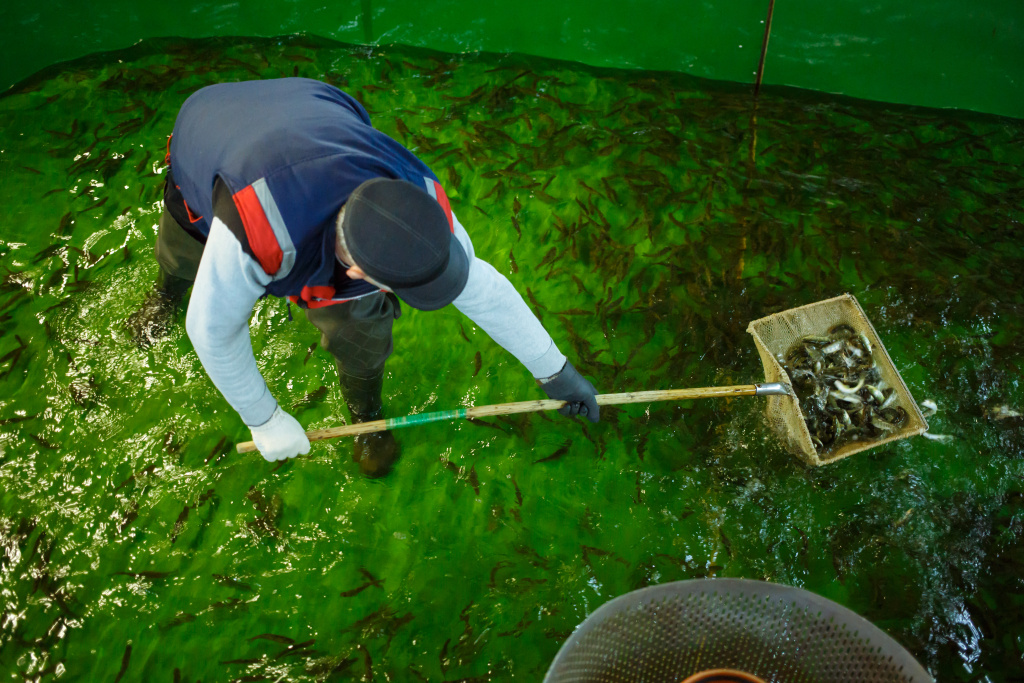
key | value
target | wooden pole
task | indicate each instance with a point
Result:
(521, 407)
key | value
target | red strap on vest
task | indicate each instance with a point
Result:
(257, 228)
(317, 296)
(442, 199)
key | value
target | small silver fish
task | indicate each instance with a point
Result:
(876, 393)
(1003, 412)
(867, 344)
(849, 398)
(849, 390)
(883, 425)
(834, 347)
(943, 438)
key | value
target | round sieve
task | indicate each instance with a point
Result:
(776, 633)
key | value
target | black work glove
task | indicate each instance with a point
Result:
(570, 386)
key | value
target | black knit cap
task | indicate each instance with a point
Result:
(399, 235)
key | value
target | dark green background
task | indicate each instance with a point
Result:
(936, 53)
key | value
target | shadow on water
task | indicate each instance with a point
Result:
(646, 218)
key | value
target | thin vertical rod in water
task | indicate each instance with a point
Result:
(757, 81)
(764, 48)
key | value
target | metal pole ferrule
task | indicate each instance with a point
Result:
(773, 389)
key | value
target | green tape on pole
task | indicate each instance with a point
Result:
(395, 422)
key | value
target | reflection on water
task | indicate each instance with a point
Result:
(647, 218)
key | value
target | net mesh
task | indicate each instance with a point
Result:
(773, 336)
(777, 633)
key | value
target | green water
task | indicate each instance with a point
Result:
(646, 225)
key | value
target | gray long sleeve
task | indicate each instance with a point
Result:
(490, 301)
(228, 284)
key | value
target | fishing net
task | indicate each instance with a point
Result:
(776, 333)
(780, 634)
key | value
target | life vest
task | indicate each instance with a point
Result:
(290, 151)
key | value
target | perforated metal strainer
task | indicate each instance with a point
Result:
(780, 634)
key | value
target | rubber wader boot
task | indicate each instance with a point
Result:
(375, 453)
(154, 318)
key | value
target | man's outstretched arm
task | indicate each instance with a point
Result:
(491, 301)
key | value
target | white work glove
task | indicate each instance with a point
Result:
(280, 437)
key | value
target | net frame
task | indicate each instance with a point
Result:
(775, 334)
